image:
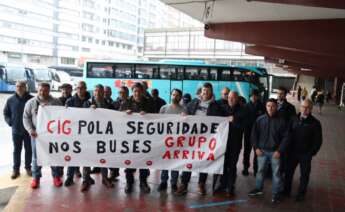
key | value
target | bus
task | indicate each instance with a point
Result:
(42, 74)
(11, 73)
(187, 76)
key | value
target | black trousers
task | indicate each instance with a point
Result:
(185, 178)
(304, 162)
(247, 149)
(228, 179)
(18, 141)
(143, 175)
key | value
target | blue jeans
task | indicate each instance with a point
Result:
(260, 175)
(36, 170)
(165, 177)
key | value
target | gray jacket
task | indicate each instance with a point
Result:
(31, 109)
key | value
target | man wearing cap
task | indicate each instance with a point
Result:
(66, 92)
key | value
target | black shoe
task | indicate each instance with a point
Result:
(91, 181)
(15, 174)
(28, 172)
(276, 199)
(182, 190)
(219, 190)
(162, 187)
(255, 192)
(144, 187)
(69, 181)
(300, 197)
(85, 186)
(96, 170)
(77, 173)
(129, 188)
(231, 192)
(173, 188)
(245, 172)
(202, 189)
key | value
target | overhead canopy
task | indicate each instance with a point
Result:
(297, 34)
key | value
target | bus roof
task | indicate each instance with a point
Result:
(199, 63)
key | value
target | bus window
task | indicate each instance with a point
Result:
(2, 73)
(124, 71)
(196, 73)
(144, 71)
(213, 74)
(226, 75)
(171, 72)
(100, 71)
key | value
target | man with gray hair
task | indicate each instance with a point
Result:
(306, 140)
(13, 114)
(43, 98)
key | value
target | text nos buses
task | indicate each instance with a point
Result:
(167, 75)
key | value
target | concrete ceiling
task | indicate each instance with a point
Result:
(224, 11)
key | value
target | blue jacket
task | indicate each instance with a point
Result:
(13, 112)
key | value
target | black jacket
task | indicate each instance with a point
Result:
(223, 104)
(213, 109)
(157, 104)
(92, 101)
(63, 100)
(13, 112)
(270, 134)
(287, 111)
(75, 101)
(253, 111)
(236, 127)
(306, 136)
(137, 107)
(118, 103)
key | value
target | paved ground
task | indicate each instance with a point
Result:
(326, 193)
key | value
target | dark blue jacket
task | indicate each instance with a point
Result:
(270, 134)
(213, 109)
(13, 112)
(75, 101)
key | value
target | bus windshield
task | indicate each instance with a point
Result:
(42, 74)
(15, 74)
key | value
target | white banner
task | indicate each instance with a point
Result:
(106, 138)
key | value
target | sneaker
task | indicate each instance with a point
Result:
(245, 172)
(107, 183)
(77, 173)
(57, 181)
(182, 190)
(129, 188)
(173, 188)
(202, 189)
(300, 197)
(255, 192)
(85, 186)
(69, 181)
(15, 174)
(28, 172)
(276, 199)
(162, 186)
(35, 183)
(144, 187)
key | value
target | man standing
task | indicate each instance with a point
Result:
(173, 108)
(30, 122)
(237, 117)
(157, 101)
(97, 102)
(122, 98)
(223, 101)
(107, 95)
(13, 113)
(77, 100)
(285, 109)
(269, 139)
(66, 93)
(254, 109)
(306, 140)
(205, 106)
(137, 103)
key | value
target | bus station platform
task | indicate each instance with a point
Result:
(326, 189)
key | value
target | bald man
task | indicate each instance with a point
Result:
(306, 140)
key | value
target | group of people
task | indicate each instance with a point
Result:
(278, 135)
(317, 96)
